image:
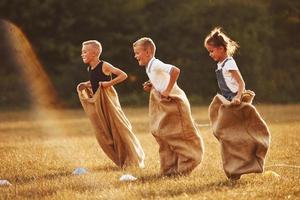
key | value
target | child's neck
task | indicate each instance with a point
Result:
(223, 58)
(94, 63)
(149, 61)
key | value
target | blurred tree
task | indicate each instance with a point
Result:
(285, 44)
(267, 32)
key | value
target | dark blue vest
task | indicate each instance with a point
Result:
(225, 91)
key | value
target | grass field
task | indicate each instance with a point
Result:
(40, 149)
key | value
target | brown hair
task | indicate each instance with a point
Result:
(218, 38)
(146, 43)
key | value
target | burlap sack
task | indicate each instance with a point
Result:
(171, 123)
(243, 135)
(112, 128)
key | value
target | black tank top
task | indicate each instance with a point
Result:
(97, 75)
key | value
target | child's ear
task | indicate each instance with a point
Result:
(95, 52)
(149, 52)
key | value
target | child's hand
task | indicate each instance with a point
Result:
(147, 86)
(236, 101)
(81, 86)
(104, 84)
(165, 94)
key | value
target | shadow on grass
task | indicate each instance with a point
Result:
(170, 192)
(59, 174)
(50, 176)
(53, 189)
(220, 185)
(106, 168)
(155, 177)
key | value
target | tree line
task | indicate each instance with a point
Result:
(266, 30)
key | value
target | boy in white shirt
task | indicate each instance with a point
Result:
(171, 123)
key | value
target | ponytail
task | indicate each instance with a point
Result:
(218, 38)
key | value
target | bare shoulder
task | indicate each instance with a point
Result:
(107, 64)
(175, 69)
(107, 68)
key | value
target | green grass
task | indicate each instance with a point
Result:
(40, 149)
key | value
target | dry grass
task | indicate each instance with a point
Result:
(39, 150)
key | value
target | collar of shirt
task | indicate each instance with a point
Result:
(219, 64)
(150, 64)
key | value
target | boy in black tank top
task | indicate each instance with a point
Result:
(113, 129)
(100, 71)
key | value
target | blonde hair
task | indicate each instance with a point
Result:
(95, 43)
(146, 43)
(218, 38)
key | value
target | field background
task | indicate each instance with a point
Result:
(40, 64)
(265, 30)
(39, 150)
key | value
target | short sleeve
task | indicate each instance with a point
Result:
(231, 65)
(160, 66)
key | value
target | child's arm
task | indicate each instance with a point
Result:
(174, 74)
(237, 76)
(109, 69)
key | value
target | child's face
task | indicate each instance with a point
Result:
(216, 53)
(142, 55)
(88, 53)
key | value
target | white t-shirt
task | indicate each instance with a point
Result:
(229, 65)
(159, 74)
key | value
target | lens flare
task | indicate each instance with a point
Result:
(46, 108)
(40, 87)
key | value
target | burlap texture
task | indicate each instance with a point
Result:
(171, 123)
(112, 128)
(243, 135)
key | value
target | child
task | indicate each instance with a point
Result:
(171, 123)
(100, 101)
(221, 48)
(242, 133)
(99, 71)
